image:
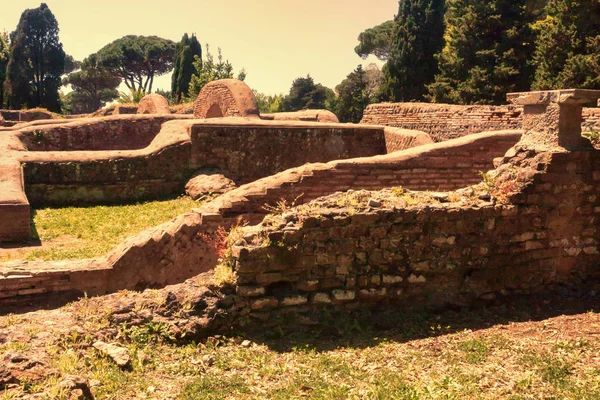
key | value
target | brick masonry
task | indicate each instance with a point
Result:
(446, 121)
(177, 250)
(300, 263)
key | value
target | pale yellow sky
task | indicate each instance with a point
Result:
(276, 41)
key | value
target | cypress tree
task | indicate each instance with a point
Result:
(418, 34)
(353, 97)
(488, 45)
(37, 61)
(3, 64)
(568, 47)
(185, 54)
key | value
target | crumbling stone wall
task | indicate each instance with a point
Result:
(429, 255)
(446, 121)
(591, 118)
(177, 250)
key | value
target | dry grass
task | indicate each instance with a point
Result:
(541, 348)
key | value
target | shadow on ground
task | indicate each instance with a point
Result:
(366, 329)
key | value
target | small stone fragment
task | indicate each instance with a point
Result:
(78, 386)
(374, 203)
(119, 355)
(416, 279)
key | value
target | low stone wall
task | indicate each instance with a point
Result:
(14, 207)
(441, 166)
(182, 248)
(304, 115)
(167, 254)
(300, 263)
(446, 121)
(111, 133)
(248, 150)
(25, 115)
(81, 177)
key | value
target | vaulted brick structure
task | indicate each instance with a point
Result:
(226, 98)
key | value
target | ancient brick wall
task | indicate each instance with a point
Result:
(446, 121)
(177, 250)
(14, 207)
(112, 133)
(428, 255)
(250, 150)
(443, 121)
(591, 118)
(24, 115)
(440, 166)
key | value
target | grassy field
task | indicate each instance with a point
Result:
(533, 349)
(85, 232)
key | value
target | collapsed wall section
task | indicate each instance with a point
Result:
(183, 248)
(427, 255)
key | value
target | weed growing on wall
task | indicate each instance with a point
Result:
(222, 241)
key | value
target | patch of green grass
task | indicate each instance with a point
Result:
(208, 388)
(475, 350)
(550, 367)
(86, 232)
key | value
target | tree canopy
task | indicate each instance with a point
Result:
(376, 41)
(137, 60)
(305, 94)
(92, 87)
(487, 51)
(4, 55)
(36, 62)
(353, 96)
(185, 53)
(208, 70)
(418, 34)
(568, 48)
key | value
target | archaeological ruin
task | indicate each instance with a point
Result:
(420, 204)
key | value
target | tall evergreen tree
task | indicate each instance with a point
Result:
(353, 96)
(305, 94)
(4, 54)
(186, 52)
(418, 34)
(37, 61)
(568, 46)
(487, 51)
